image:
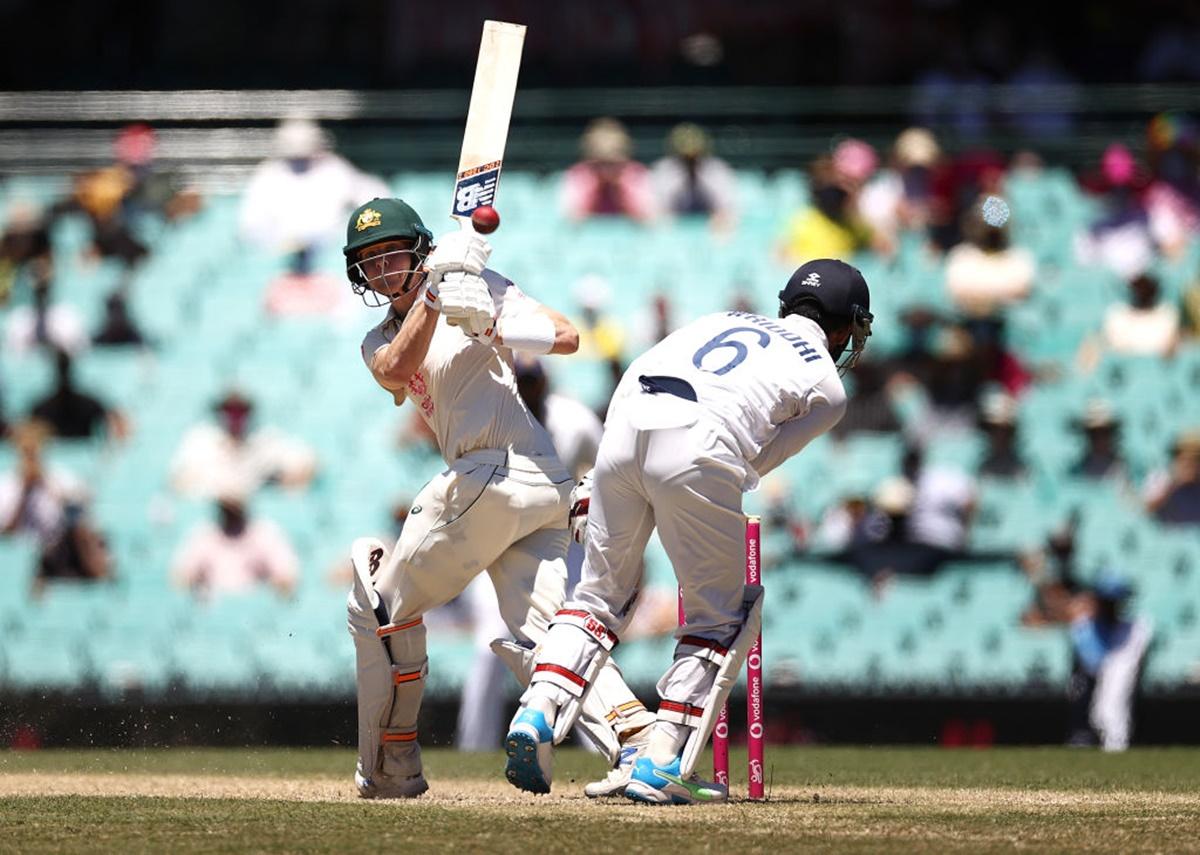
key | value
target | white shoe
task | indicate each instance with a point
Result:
(386, 787)
(614, 783)
(530, 749)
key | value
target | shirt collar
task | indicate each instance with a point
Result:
(807, 327)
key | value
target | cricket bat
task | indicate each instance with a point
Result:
(487, 120)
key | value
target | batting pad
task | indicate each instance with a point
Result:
(390, 675)
(730, 665)
(594, 711)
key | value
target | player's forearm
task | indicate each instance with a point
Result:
(566, 337)
(401, 358)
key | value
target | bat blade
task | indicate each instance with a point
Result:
(488, 116)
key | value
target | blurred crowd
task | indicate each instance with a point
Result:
(955, 374)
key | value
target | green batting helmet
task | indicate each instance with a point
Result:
(381, 220)
(385, 219)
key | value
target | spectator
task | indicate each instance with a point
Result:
(25, 243)
(227, 455)
(1108, 654)
(957, 186)
(850, 522)
(830, 226)
(574, 429)
(1173, 496)
(298, 200)
(607, 181)
(113, 196)
(984, 274)
(1145, 326)
(602, 337)
(1101, 457)
(998, 419)
(943, 505)
(1173, 197)
(153, 189)
(74, 414)
(481, 712)
(118, 327)
(33, 497)
(76, 552)
(898, 198)
(690, 181)
(235, 554)
(885, 544)
(1052, 572)
(938, 393)
(45, 323)
(1120, 238)
(785, 533)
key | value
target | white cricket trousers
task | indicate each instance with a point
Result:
(682, 481)
(493, 511)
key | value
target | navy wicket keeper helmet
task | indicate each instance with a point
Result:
(841, 294)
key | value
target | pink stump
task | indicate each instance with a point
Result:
(754, 679)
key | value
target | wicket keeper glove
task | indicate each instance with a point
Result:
(458, 251)
(581, 498)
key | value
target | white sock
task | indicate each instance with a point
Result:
(544, 698)
(667, 741)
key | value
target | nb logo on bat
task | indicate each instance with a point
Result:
(474, 191)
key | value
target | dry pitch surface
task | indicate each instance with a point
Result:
(821, 800)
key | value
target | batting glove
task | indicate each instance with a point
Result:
(581, 498)
(458, 251)
(463, 294)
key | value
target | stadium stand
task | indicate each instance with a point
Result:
(198, 297)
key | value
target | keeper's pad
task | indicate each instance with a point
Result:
(391, 669)
(607, 711)
(729, 664)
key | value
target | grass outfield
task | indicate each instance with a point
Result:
(881, 800)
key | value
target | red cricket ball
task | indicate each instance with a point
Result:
(485, 219)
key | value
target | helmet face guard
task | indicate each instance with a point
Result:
(860, 331)
(368, 276)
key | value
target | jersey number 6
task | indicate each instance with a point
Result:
(724, 340)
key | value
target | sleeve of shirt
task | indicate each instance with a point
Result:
(827, 405)
(1088, 646)
(510, 300)
(371, 344)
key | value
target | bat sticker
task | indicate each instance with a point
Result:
(475, 187)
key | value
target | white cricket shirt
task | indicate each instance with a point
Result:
(465, 389)
(769, 384)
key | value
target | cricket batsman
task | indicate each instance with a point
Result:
(447, 344)
(694, 423)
